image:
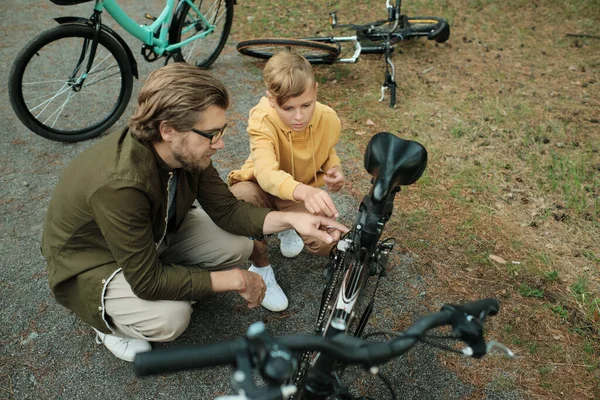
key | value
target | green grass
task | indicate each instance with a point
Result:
(533, 140)
(560, 312)
(528, 291)
(551, 276)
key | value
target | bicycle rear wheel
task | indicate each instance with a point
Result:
(45, 87)
(188, 22)
(314, 51)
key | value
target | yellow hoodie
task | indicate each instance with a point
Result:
(280, 159)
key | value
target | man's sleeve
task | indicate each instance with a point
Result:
(226, 211)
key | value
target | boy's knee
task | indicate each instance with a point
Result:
(250, 192)
(319, 248)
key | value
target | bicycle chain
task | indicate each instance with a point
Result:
(305, 356)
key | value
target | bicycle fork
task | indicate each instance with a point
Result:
(390, 71)
(96, 19)
(389, 82)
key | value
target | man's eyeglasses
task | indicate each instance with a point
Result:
(213, 136)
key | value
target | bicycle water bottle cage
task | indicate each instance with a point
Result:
(393, 162)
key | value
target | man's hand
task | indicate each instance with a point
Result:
(316, 201)
(248, 284)
(334, 179)
(316, 226)
(254, 288)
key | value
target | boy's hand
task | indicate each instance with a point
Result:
(334, 179)
(316, 201)
(319, 202)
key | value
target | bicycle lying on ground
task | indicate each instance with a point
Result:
(379, 37)
(72, 82)
(316, 368)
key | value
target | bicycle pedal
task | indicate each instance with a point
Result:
(150, 17)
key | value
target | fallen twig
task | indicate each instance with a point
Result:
(583, 35)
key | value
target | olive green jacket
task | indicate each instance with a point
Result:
(108, 213)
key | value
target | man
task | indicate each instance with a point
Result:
(126, 249)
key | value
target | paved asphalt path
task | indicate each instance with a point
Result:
(46, 353)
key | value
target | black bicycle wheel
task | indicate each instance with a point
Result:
(188, 22)
(314, 51)
(44, 84)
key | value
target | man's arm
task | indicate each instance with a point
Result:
(249, 285)
(322, 228)
(229, 213)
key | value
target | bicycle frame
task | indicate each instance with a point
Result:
(368, 257)
(361, 255)
(146, 33)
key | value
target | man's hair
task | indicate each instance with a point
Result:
(176, 94)
(287, 75)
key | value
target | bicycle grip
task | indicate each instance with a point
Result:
(475, 308)
(164, 361)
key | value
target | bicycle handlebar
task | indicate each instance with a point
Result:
(466, 321)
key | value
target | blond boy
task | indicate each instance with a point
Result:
(292, 139)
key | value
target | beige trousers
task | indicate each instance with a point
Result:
(198, 243)
(253, 193)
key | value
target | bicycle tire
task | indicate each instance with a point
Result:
(430, 24)
(44, 65)
(313, 50)
(201, 52)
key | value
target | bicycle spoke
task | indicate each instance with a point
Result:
(215, 8)
(44, 95)
(43, 82)
(60, 109)
(88, 84)
(62, 90)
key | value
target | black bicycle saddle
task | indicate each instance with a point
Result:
(393, 162)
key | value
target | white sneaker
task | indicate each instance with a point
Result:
(123, 348)
(290, 243)
(275, 299)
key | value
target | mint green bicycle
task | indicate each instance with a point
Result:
(72, 82)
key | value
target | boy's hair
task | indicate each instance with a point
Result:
(287, 75)
(177, 94)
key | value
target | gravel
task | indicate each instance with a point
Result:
(48, 353)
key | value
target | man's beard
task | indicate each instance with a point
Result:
(194, 166)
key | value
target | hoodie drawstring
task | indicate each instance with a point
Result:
(312, 144)
(289, 137)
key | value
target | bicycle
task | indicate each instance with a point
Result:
(379, 37)
(274, 358)
(360, 260)
(83, 67)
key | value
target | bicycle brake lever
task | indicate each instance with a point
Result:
(468, 351)
(492, 343)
